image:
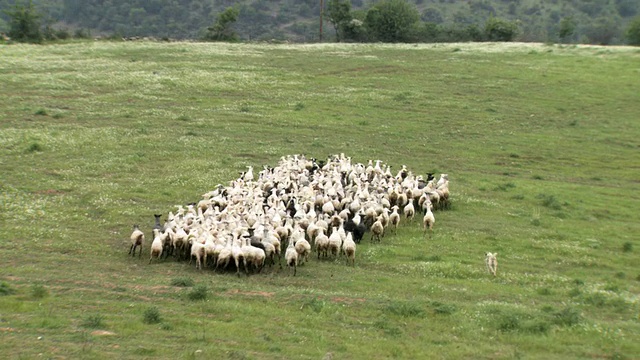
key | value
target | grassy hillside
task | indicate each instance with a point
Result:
(540, 143)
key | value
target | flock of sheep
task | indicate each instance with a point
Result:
(293, 209)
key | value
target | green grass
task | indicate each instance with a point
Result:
(541, 150)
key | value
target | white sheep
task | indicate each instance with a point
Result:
(377, 229)
(409, 210)
(492, 262)
(335, 242)
(291, 256)
(349, 249)
(428, 220)
(322, 244)
(156, 245)
(394, 218)
(137, 239)
(197, 250)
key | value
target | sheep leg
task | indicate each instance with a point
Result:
(237, 267)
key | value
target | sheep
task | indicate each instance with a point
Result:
(322, 244)
(197, 250)
(156, 245)
(225, 254)
(428, 220)
(137, 239)
(157, 224)
(377, 229)
(409, 210)
(349, 249)
(335, 242)
(291, 256)
(492, 262)
(394, 218)
(237, 254)
(303, 248)
(357, 229)
(284, 203)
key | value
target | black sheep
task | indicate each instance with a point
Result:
(356, 230)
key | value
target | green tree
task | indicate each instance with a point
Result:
(500, 30)
(633, 32)
(567, 29)
(223, 30)
(339, 14)
(24, 23)
(392, 21)
(603, 30)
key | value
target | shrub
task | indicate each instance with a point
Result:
(151, 316)
(392, 20)
(182, 282)
(200, 292)
(34, 147)
(93, 321)
(443, 309)
(568, 316)
(38, 291)
(315, 305)
(6, 289)
(406, 309)
(496, 29)
(536, 326)
(24, 23)
(633, 32)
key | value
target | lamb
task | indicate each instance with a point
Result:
(492, 262)
(291, 257)
(156, 245)
(137, 239)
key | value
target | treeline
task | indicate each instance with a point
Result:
(571, 21)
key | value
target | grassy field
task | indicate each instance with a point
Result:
(540, 144)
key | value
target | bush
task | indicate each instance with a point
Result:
(406, 309)
(633, 32)
(93, 321)
(6, 289)
(200, 292)
(392, 20)
(500, 30)
(38, 291)
(24, 24)
(568, 316)
(182, 282)
(151, 316)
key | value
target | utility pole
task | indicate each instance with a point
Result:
(321, 11)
